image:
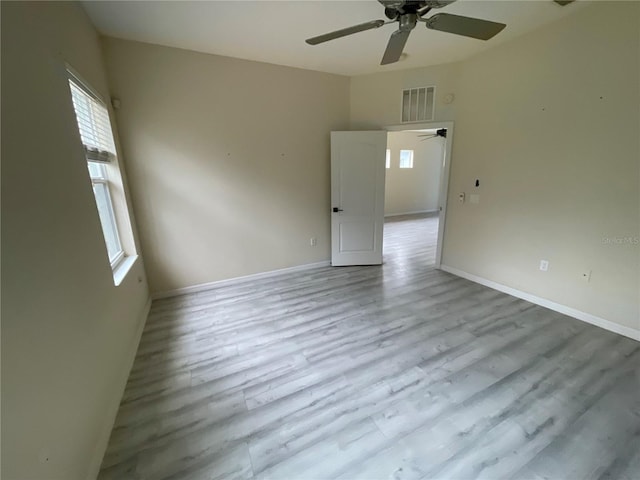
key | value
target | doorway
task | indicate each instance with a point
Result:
(416, 181)
(358, 189)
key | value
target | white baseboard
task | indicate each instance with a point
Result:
(232, 281)
(110, 416)
(572, 312)
(409, 213)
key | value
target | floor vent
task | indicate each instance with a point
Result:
(418, 104)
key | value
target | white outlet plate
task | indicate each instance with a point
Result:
(544, 265)
(313, 241)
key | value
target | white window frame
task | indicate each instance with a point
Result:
(103, 180)
(410, 162)
(99, 159)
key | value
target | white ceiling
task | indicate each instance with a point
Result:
(274, 31)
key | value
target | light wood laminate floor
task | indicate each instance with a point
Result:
(393, 372)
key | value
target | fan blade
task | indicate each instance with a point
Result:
(395, 46)
(466, 26)
(344, 32)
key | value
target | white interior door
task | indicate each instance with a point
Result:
(357, 197)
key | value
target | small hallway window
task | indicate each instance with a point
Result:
(406, 158)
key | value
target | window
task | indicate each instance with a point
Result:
(388, 164)
(105, 211)
(97, 138)
(406, 158)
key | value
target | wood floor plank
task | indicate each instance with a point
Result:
(396, 371)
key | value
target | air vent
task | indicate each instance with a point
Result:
(417, 104)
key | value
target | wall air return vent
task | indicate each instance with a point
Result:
(418, 104)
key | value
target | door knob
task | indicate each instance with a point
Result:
(336, 210)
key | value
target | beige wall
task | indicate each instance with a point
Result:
(410, 190)
(549, 124)
(375, 99)
(67, 332)
(228, 160)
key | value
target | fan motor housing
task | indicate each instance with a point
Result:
(408, 22)
(412, 6)
(394, 4)
(439, 3)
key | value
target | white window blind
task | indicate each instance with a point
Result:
(93, 123)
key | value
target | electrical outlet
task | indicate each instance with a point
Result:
(544, 265)
(586, 276)
(313, 241)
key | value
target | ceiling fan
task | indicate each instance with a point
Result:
(407, 13)
(442, 132)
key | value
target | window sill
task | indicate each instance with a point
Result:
(122, 269)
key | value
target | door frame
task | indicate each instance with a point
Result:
(444, 173)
